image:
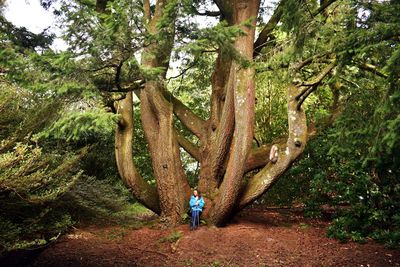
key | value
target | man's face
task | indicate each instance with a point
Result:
(195, 193)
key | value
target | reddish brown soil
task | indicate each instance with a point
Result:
(256, 238)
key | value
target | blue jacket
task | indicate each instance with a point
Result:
(193, 205)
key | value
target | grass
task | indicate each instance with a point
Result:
(304, 226)
(134, 210)
(171, 238)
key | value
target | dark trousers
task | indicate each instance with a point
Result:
(195, 220)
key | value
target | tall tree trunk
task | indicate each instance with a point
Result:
(145, 193)
(224, 152)
(157, 118)
(241, 84)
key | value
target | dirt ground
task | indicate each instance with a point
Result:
(255, 238)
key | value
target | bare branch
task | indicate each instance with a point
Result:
(298, 66)
(219, 5)
(320, 76)
(183, 72)
(117, 78)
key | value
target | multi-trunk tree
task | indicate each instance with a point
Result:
(233, 171)
(225, 149)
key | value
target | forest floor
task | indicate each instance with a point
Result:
(257, 237)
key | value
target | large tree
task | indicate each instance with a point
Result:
(233, 172)
(225, 149)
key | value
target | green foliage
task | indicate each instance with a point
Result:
(49, 114)
(353, 169)
(22, 38)
(33, 176)
(353, 166)
(173, 237)
(76, 126)
(30, 181)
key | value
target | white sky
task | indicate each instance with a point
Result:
(31, 15)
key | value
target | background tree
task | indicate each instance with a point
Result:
(54, 136)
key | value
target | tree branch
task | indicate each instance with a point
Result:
(288, 153)
(373, 69)
(312, 85)
(183, 72)
(324, 6)
(298, 66)
(194, 123)
(320, 76)
(191, 148)
(219, 5)
(147, 11)
(144, 192)
(259, 157)
(261, 41)
(117, 78)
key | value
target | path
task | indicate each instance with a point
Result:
(258, 238)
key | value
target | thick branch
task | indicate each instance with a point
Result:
(194, 123)
(191, 148)
(145, 193)
(288, 153)
(147, 11)
(224, 132)
(220, 5)
(259, 157)
(243, 98)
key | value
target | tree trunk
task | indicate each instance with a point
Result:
(172, 185)
(145, 193)
(241, 87)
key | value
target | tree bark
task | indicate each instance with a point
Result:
(243, 87)
(145, 193)
(157, 119)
